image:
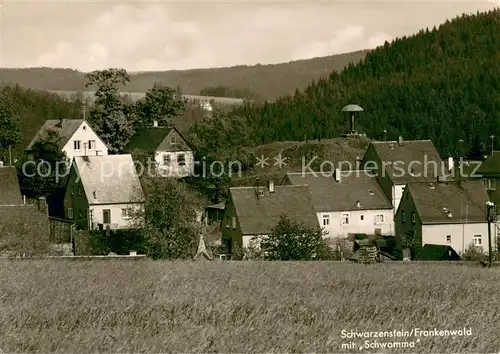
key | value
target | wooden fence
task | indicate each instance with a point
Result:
(61, 230)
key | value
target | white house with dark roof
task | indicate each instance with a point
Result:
(397, 163)
(171, 152)
(255, 211)
(347, 202)
(103, 192)
(444, 213)
(77, 138)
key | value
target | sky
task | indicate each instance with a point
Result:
(174, 35)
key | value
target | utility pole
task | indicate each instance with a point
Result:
(489, 209)
(492, 137)
(10, 155)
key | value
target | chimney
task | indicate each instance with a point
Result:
(400, 140)
(271, 186)
(155, 123)
(337, 175)
(42, 205)
(450, 163)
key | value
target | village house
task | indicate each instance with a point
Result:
(445, 213)
(23, 227)
(76, 138)
(104, 192)
(397, 163)
(169, 150)
(254, 211)
(347, 202)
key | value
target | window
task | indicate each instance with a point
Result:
(403, 216)
(413, 219)
(72, 190)
(106, 216)
(234, 222)
(344, 219)
(379, 219)
(77, 144)
(70, 213)
(326, 220)
(173, 140)
(490, 184)
(91, 144)
(362, 217)
(126, 213)
(478, 240)
(181, 159)
(448, 238)
(166, 160)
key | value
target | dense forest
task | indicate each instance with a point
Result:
(265, 82)
(441, 84)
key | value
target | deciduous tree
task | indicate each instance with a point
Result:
(293, 241)
(10, 125)
(108, 115)
(161, 104)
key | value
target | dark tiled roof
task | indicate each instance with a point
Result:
(259, 215)
(421, 152)
(10, 193)
(490, 166)
(113, 178)
(469, 169)
(65, 132)
(466, 201)
(436, 253)
(329, 195)
(157, 138)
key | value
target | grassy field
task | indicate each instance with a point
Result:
(145, 306)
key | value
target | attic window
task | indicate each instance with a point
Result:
(173, 140)
(84, 127)
(358, 204)
(370, 192)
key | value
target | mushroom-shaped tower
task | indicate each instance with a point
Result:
(351, 110)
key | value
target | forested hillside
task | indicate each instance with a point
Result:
(254, 82)
(441, 84)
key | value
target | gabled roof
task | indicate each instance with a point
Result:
(259, 215)
(490, 166)
(109, 179)
(157, 138)
(65, 128)
(329, 195)
(430, 252)
(449, 202)
(10, 193)
(411, 157)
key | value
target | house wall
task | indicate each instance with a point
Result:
(174, 170)
(75, 199)
(117, 221)
(406, 229)
(462, 235)
(84, 134)
(360, 221)
(231, 237)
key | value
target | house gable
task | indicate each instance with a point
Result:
(173, 142)
(76, 205)
(84, 134)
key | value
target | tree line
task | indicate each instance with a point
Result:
(441, 84)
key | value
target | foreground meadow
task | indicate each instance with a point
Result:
(242, 307)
